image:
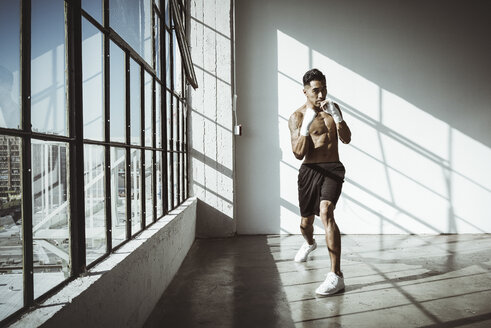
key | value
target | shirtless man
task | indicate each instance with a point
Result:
(315, 128)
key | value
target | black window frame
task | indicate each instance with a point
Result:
(173, 194)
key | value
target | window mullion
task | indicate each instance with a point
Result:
(128, 142)
(107, 135)
(142, 152)
(154, 153)
(26, 154)
(73, 25)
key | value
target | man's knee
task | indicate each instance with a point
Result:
(327, 209)
(307, 222)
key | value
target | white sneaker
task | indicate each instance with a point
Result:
(331, 285)
(304, 251)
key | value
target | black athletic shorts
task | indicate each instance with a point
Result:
(316, 182)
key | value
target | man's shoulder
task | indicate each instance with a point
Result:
(298, 113)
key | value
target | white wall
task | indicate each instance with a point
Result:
(413, 80)
(210, 117)
(122, 290)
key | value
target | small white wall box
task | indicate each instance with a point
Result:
(238, 130)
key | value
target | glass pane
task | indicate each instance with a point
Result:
(158, 126)
(50, 214)
(157, 3)
(170, 182)
(175, 168)
(185, 175)
(175, 124)
(167, 13)
(48, 110)
(167, 60)
(169, 111)
(118, 195)
(180, 171)
(135, 103)
(92, 75)
(147, 30)
(11, 287)
(117, 90)
(148, 110)
(159, 184)
(95, 218)
(10, 113)
(132, 21)
(136, 198)
(185, 178)
(93, 8)
(181, 125)
(148, 187)
(177, 65)
(181, 155)
(185, 154)
(157, 45)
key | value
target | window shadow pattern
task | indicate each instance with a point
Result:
(388, 279)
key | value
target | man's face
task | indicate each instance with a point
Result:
(315, 92)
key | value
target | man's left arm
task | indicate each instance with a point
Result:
(344, 132)
(333, 109)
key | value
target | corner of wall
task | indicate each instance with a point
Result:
(212, 223)
(210, 118)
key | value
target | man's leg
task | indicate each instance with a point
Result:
(333, 236)
(334, 280)
(307, 228)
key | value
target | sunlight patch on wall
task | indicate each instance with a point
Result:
(293, 57)
(471, 159)
(288, 185)
(407, 171)
(370, 172)
(421, 129)
(291, 68)
(342, 83)
(471, 181)
(290, 95)
(290, 221)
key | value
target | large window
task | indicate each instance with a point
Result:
(93, 145)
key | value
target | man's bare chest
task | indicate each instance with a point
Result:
(323, 124)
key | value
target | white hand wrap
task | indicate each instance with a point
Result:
(308, 118)
(333, 111)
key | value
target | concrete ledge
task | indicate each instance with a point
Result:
(122, 290)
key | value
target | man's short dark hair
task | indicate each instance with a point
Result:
(313, 75)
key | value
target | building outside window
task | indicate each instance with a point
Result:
(93, 138)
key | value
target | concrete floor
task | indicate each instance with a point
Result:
(391, 281)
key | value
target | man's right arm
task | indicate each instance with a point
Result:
(300, 143)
